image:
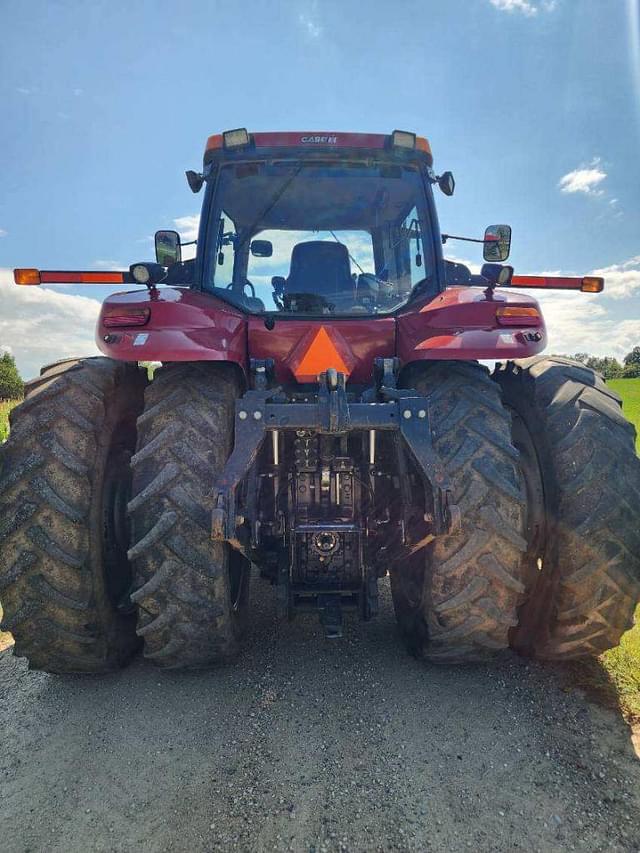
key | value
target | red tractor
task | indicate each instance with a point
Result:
(320, 413)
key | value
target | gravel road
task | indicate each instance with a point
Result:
(310, 745)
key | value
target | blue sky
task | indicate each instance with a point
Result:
(534, 105)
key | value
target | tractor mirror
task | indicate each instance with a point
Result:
(261, 248)
(497, 243)
(195, 180)
(447, 183)
(168, 249)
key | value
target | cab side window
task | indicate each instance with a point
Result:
(223, 269)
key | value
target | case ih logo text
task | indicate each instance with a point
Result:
(320, 140)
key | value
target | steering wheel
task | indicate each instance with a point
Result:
(246, 283)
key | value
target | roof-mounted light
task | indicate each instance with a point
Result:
(403, 139)
(236, 138)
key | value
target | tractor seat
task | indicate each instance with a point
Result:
(318, 266)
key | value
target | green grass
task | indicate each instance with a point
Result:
(622, 666)
(5, 408)
(629, 390)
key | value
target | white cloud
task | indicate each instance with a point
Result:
(187, 226)
(586, 179)
(38, 325)
(524, 6)
(621, 280)
(3, 233)
(577, 322)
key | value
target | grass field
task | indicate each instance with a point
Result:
(616, 675)
(629, 390)
(5, 408)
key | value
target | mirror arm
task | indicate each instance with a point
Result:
(446, 237)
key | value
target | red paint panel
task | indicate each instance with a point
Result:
(183, 326)
(358, 342)
(461, 323)
(77, 277)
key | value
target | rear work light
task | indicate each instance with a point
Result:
(118, 317)
(516, 315)
(236, 138)
(403, 139)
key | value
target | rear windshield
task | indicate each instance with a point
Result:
(313, 238)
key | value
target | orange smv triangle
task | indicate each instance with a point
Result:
(321, 355)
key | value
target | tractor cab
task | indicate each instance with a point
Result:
(316, 225)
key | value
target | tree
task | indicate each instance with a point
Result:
(581, 356)
(609, 367)
(11, 384)
(633, 357)
(631, 371)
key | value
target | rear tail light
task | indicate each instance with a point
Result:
(516, 315)
(118, 317)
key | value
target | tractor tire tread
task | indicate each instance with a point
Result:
(185, 434)
(473, 584)
(54, 604)
(591, 474)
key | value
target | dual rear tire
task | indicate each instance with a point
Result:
(548, 482)
(97, 460)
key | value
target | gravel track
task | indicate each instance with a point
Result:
(308, 745)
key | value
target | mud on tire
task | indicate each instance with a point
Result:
(459, 601)
(64, 479)
(584, 597)
(191, 592)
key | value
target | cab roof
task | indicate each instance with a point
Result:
(236, 144)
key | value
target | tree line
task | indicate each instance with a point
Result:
(610, 367)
